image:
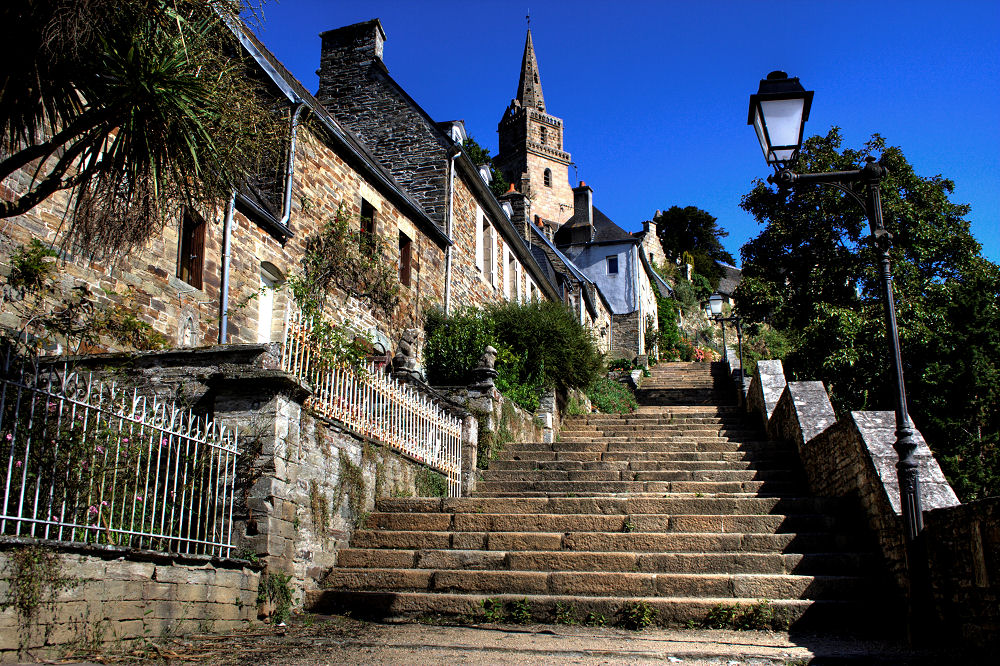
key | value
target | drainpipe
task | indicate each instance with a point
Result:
(641, 332)
(453, 153)
(290, 167)
(227, 232)
(286, 215)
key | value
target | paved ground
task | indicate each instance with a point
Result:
(315, 640)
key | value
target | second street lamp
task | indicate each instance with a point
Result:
(714, 311)
(780, 102)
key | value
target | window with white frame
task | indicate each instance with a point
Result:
(479, 238)
(489, 251)
(509, 274)
(270, 279)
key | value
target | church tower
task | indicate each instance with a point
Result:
(531, 151)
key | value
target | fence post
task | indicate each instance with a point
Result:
(267, 407)
(470, 453)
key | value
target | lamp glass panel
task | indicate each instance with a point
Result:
(716, 304)
(758, 124)
(784, 121)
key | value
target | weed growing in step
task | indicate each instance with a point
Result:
(595, 619)
(520, 612)
(629, 526)
(760, 616)
(638, 615)
(493, 610)
(566, 613)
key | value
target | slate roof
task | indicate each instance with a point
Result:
(730, 279)
(364, 159)
(605, 231)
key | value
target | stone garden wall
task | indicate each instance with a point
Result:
(304, 484)
(96, 595)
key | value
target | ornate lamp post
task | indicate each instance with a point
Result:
(715, 311)
(778, 113)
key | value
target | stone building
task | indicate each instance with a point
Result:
(487, 262)
(215, 275)
(616, 262)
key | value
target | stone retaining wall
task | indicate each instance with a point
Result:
(853, 457)
(117, 595)
(304, 484)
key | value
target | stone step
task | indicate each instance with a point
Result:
(697, 474)
(778, 456)
(835, 563)
(583, 522)
(581, 487)
(631, 541)
(601, 584)
(859, 616)
(614, 505)
(504, 465)
(626, 445)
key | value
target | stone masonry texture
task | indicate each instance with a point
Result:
(118, 595)
(853, 458)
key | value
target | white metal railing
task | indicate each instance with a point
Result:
(376, 405)
(84, 461)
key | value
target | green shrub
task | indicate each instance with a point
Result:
(611, 397)
(455, 344)
(430, 484)
(550, 340)
(538, 345)
(621, 364)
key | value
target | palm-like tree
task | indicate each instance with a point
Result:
(134, 107)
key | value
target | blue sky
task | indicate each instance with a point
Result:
(654, 95)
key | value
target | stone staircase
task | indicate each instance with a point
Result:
(682, 506)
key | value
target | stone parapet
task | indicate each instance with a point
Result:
(854, 458)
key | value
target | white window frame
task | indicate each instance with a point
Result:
(479, 238)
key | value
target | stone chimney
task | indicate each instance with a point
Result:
(356, 44)
(583, 204)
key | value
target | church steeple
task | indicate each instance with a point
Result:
(531, 151)
(529, 88)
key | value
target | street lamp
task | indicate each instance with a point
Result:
(714, 310)
(780, 106)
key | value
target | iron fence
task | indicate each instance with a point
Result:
(91, 462)
(375, 404)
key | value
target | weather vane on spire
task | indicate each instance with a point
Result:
(528, 17)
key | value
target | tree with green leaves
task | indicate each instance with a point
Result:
(134, 107)
(479, 156)
(692, 230)
(813, 274)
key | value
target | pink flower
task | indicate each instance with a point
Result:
(92, 510)
(9, 437)
(138, 497)
(124, 440)
(17, 463)
(163, 442)
(104, 502)
(99, 448)
(55, 517)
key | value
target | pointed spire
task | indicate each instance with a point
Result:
(529, 88)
